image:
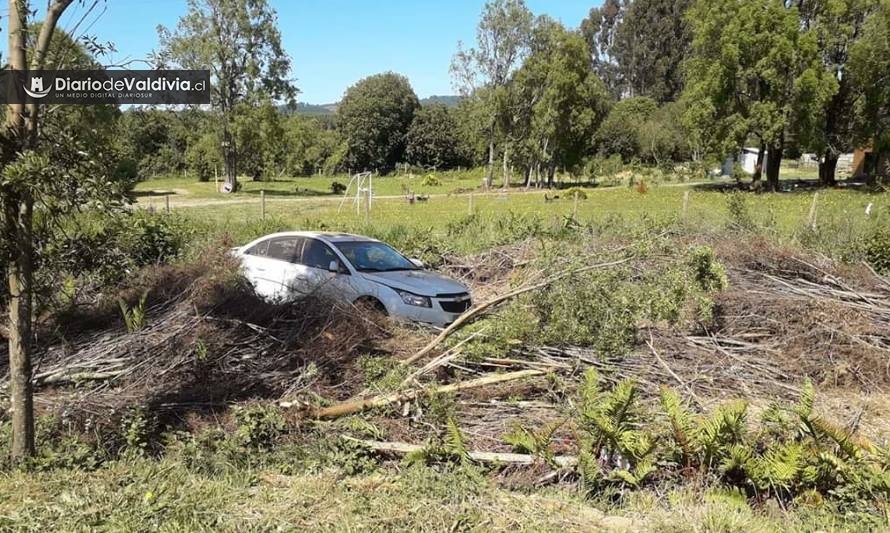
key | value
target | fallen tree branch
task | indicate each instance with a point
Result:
(470, 315)
(671, 372)
(354, 406)
(404, 448)
(881, 278)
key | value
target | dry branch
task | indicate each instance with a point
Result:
(404, 448)
(480, 309)
(355, 406)
(671, 372)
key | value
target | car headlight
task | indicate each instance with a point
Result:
(415, 299)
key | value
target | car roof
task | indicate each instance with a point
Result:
(330, 236)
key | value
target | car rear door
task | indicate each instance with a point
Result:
(284, 252)
(263, 270)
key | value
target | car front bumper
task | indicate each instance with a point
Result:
(434, 315)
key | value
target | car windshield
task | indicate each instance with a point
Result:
(369, 256)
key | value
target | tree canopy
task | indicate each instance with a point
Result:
(239, 41)
(374, 117)
(434, 139)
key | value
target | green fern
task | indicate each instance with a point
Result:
(779, 469)
(682, 424)
(537, 443)
(455, 444)
(635, 475)
(134, 317)
(726, 426)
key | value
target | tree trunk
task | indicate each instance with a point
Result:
(773, 166)
(551, 170)
(828, 169)
(19, 214)
(489, 170)
(506, 168)
(758, 167)
(231, 183)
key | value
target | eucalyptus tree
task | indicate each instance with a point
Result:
(239, 41)
(600, 30)
(650, 45)
(561, 96)
(502, 39)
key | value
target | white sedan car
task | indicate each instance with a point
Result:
(351, 268)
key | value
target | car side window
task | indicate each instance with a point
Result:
(259, 249)
(317, 254)
(284, 248)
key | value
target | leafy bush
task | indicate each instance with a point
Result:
(601, 309)
(430, 180)
(259, 426)
(126, 171)
(570, 193)
(150, 238)
(740, 218)
(337, 187)
(876, 249)
(708, 272)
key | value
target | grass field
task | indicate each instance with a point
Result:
(189, 189)
(839, 214)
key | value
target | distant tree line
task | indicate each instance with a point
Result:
(650, 81)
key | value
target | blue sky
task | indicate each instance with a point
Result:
(335, 43)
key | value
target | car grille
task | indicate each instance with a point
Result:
(458, 306)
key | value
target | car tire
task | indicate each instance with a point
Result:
(370, 304)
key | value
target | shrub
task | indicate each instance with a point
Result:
(708, 272)
(740, 218)
(259, 426)
(337, 187)
(570, 193)
(151, 239)
(430, 180)
(876, 250)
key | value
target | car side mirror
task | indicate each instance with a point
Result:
(334, 266)
(417, 262)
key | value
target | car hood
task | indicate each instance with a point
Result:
(422, 282)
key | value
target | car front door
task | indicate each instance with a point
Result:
(317, 258)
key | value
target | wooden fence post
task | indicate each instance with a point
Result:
(263, 204)
(167, 202)
(811, 219)
(575, 208)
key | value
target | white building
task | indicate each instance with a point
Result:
(747, 158)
